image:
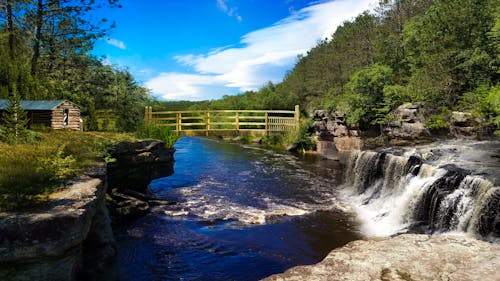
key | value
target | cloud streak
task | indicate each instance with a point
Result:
(117, 43)
(261, 56)
(230, 11)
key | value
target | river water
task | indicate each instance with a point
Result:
(243, 213)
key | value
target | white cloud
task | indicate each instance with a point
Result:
(230, 11)
(262, 55)
(117, 43)
(182, 86)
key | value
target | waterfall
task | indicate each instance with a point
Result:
(395, 194)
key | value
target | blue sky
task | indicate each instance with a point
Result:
(204, 49)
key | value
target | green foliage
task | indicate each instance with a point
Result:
(14, 120)
(164, 134)
(44, 54)
(364, 94)
(58, 166)
(439, 120)
(30, 172)
(303, 137)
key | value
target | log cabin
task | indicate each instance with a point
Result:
(57, 114)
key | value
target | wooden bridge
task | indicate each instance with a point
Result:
(218, 122)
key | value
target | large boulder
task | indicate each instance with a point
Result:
(465, 125)
(408, 123)
(405, 257)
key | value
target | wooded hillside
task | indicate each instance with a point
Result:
(443, 53)
(45, 54)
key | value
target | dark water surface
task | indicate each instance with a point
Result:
(244, 213)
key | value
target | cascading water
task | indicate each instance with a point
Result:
(393, 194)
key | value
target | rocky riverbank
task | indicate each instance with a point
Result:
(406, 257)
(70, 236)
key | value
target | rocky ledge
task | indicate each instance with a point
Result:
(134, 166)
(406, 257)
(70, 238)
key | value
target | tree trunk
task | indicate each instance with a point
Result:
(10, 28)
(38, 37)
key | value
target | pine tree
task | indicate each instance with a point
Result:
(14, 118)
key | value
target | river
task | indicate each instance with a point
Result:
(243, 213)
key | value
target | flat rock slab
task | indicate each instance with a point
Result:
(408, 257)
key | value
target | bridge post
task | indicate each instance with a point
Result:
(237, 121)
(148, 114)
(178, 119)
(208, 123)
(267, 123)
(297, 117)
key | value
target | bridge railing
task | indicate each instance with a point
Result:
(253, 122)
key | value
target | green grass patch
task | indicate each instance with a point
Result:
(165, 134)
(29, 172)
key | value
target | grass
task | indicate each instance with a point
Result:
(30, 172)
(164, 134)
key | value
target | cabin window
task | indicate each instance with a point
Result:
(66, 117)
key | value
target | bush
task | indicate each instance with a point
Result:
(303, 138)
(164, 134)
(29, 172)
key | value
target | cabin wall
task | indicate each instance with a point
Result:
(57, 120)
(40, 117)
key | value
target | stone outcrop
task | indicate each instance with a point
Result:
(138, 163)
(408, 123)
(70, 238)
(334, 135)
(464, 125)
(135, 165)
(405, 257)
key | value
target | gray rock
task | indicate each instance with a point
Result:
(464, 125)
(69, 237)
(408, 123)
(405, 257)
(138, 163)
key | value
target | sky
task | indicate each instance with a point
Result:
(205, 49)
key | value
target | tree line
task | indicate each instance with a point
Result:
(444, 54)
(45, 54)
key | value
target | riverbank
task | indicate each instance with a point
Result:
(67, 234)
(407, 257)
(69, 237)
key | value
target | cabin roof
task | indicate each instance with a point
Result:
(35, 104)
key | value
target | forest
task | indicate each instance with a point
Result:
(45, 54)
(444, 54)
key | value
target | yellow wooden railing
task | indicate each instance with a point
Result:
(207, 122)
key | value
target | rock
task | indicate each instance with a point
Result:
(293, 147)
(334, 135)
(237, 139)
(69, 237)
(124, 207)
(408, 123)
(138, 163)
(327, 149)
(464, 125)
(345, 144)
(257, 140)
(405, 257)
(321, 114)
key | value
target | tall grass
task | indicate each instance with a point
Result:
(29, 172)
(164, 134)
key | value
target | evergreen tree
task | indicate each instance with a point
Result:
(14, 118)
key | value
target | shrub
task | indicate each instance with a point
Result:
(164, 134)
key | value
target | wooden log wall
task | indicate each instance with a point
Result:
(57, 121)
